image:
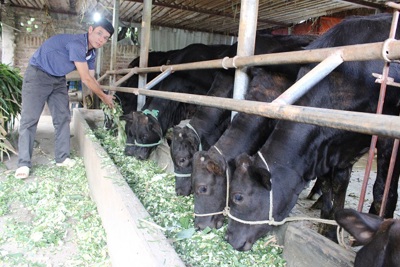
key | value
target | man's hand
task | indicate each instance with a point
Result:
(108, 100)
(87, 77)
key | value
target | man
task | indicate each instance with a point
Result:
(44, 81)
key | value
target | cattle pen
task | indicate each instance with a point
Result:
(299, 243)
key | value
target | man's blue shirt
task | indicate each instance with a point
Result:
(56, 56)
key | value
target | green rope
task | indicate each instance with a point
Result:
(153, 112)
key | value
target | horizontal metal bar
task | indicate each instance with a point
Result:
(367, 123)
(361, 52)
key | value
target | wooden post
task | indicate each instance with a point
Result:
(144, 48)
(246, 44)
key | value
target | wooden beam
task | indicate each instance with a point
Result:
(366, 4)
(206, 11)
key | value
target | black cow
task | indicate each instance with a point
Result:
(246, 133)
(128, 101)
(380, 238)
(185, 140)
(295, 152)
(148, 127)
(202, 131)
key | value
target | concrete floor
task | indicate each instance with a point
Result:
(43, 152)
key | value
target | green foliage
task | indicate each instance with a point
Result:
(10, 108)
(118, 126)
(43, 215)
(174, 215)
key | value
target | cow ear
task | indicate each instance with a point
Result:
(135, 115)
(213, 167)
(261, 175)
(127, 117)
(362, 226)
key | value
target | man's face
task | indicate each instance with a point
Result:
(97, 37)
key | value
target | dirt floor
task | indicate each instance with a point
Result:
(353, 191)
(43, 154)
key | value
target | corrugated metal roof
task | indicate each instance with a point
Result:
(218, 16)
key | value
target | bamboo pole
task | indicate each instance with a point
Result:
(246, 45)
(144, 47)
(367, 123)
(361, 52)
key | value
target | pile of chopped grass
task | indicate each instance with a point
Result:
(43, 215)
(174, 214)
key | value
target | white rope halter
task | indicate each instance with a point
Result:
(186, 175)
(198, 136)
(271, 221)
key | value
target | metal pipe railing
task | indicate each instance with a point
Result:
(361, 52)
(367, 123)
(294, 92)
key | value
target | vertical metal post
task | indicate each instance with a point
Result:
(144, 48)
(385, 73)
(246, 44)
(114, 40)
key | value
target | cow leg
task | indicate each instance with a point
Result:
(384, 148)
(339, 182)
(325, 199)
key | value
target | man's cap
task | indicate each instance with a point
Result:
(105, 24)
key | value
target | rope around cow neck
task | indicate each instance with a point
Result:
(226, 210)
(198, 136)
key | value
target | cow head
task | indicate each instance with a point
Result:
(143, 134)
(209, 188)
(249, 190)
(184, 144)
(381, 238)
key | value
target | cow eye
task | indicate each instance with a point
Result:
(202, 189)
(237, 198)
(144, 137)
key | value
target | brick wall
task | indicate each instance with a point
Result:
(125, 54)
(35, 26)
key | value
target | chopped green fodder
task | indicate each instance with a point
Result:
(41, 215)
(174, 215)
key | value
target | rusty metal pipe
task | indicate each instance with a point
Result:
(374, 139)
(367, 123)
(126, 77)
(361, 52)
(389, 177)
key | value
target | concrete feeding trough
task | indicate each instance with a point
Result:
(123, 215)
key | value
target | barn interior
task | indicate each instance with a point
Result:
(212, 22)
